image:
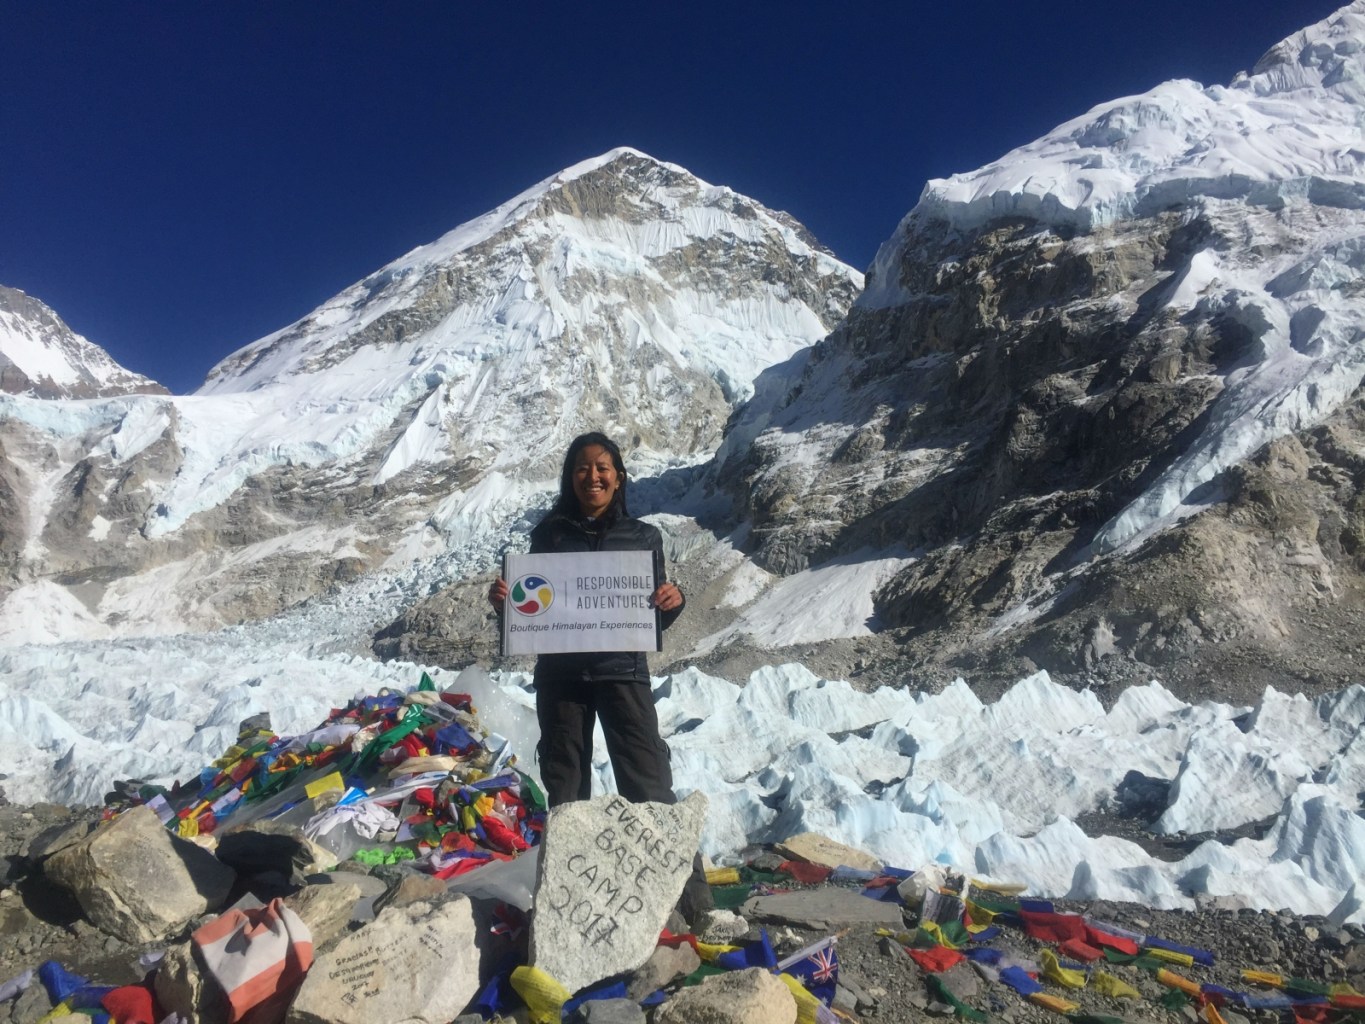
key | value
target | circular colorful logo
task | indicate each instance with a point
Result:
(532, 594)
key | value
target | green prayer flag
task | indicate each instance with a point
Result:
(702, 973)
(941, 991)
(1173, 999)
(729, 897)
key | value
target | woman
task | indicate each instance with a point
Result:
(574, 690)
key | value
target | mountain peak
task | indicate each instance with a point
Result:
(40, 356)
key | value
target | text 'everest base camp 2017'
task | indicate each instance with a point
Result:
(1025, 584)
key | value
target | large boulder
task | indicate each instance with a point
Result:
(136, 881)
(752, 996)
(417, 964)
(610, 873)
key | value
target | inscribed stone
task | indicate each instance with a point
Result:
(610, 872)
(814, 848)
(415, 964)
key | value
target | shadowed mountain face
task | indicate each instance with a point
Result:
(416, 415)
(1120, 435)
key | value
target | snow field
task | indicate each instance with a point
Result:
(911, 777)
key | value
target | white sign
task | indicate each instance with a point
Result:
(581, 601)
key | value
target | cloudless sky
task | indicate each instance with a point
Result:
(179, 179)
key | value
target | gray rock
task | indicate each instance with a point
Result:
(890, 947)
(417, 964)
(961, 981)
(844, 1000)
(610, 873)
(325, 909)
(767, 862)
(59, 837)
(751, 996)
(32, 1004)
(826, 909)
(663, 965)
(182, 987)
(135, 880)
(607, 1011)
(722, 926)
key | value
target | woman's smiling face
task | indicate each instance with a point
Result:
(595, 480)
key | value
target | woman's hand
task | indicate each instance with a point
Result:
(666, 597)
(497, 594)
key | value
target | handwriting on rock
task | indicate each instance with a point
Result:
(363, 973)
(602, 892)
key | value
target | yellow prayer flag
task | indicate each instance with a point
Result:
(806, 1004)
(1055, 1003)
(1053, 971)
(543, 995)
(325, 785)
(722, 876)
(708, 951)
(1114, 988)
(1170, 956)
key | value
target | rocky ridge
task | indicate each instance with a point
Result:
(1119, 441)
(417, 413)
(40, 356)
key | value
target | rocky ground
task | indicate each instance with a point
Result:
(40, 922)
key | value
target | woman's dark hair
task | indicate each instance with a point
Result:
(567, 502)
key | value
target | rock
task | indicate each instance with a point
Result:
(182, 987)
(610, 873)
(814, 848)
(890, 947)
(413, 888)
(32, 1004)
(325, 909)
(853, 986)
(751, 996)
(663, 965)
(59, 837)
(418, 964)
(1310, 933)
(607, 1011)
(723, 926)
(268, 847)
(961, 981)
(767, 862)
(823, 909)
(844, 1000)
(135, 880)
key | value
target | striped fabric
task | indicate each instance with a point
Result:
(256, 956)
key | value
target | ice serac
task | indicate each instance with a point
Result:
(419, 412)
(40, 356)
(1105, 390)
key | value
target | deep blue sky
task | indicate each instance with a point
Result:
(178, 179)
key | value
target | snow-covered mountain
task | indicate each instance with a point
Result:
(40, 356)
(419, 412)
(1098, 409)
(1104, 393)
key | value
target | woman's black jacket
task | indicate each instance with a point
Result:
(560, 533)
